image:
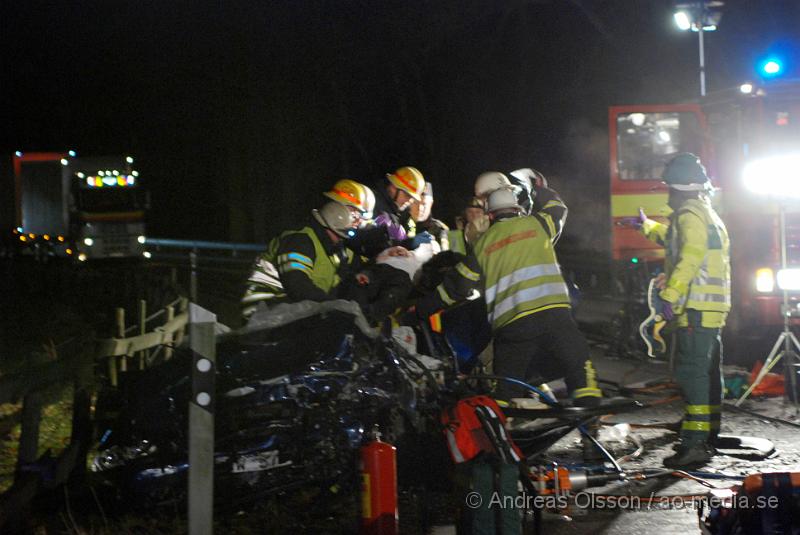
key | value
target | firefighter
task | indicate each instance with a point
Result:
(305, 264)
(696, 297)
(394, 225)
(457, 237)
(527, 180)
(393, 201)
(425, 222)
(522, 181)
(485, 184)
(527, 185)
(357, 197)
(514, 266)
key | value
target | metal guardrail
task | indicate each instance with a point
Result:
(201, 244)
(193, 247)
(33, 473)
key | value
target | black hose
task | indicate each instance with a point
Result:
(768, 418)
(553, 403)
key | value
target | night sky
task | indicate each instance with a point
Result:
(240, 113)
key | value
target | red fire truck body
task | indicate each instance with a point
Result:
(727, 134)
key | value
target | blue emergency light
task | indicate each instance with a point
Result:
(771, 67)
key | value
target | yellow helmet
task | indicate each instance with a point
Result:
(410, 180)
(350, 193)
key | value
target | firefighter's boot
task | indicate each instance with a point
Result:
(689, 457)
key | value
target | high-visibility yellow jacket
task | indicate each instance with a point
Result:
(697, 262)
(298, 255)
(521, 275)
(456, 241)
(513, 264)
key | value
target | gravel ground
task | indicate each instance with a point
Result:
(592, 516)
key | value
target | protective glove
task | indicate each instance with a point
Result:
(635, 222)
(396, 232)
(666, 310)
(419, 239)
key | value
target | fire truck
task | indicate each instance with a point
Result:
(85, 208)
(734, 130)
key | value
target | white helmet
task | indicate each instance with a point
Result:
(489, 182)
(501, 199)
(369, 203)
(335, 217)
(529, 176)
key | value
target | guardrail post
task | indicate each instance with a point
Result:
(123, 361)
(201, 421)
(81, 426)
(29, 428)
(193, 275)
(142, 329)
(168, 349)
(177, 340)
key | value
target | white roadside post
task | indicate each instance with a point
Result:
(201, 421)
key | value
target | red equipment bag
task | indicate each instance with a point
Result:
(475, 425)
(765, 504)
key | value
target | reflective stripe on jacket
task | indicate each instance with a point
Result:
(264, 283)
(520, 272)
(697, 260)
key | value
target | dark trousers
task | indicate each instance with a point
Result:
(545, 345)
(698, 371)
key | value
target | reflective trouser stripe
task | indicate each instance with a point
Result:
(466, 272)
(690, 425)
(453, 445)
(591, 375)
(698, 409)
(444, 295)
(587, 393)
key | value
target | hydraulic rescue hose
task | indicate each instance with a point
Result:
(692, 476)
(555, 404)
(697, 476)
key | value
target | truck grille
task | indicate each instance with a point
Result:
(117, 246)
(116, 240)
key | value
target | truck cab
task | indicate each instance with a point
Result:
(729, 134)
(86, 208)
(107, 207)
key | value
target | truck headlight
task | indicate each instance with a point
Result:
(789, 279)
(765, 280)
(141, 239)
(88, 241)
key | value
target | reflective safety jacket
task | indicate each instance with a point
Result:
(456, 241)
(513, 265)
(520, 272)
(697, 262)
(297, 265)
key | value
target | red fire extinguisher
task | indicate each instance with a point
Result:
(378, 487)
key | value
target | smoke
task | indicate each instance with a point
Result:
(583, 183)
